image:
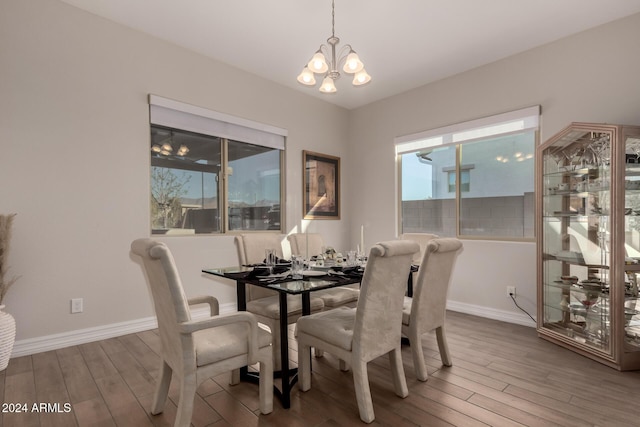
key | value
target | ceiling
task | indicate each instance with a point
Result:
(404, 44)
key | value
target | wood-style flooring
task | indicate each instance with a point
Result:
(502, 375)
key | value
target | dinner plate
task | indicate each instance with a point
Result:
(311, 273)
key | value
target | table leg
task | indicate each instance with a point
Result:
(306, 303)
(241, 295)
(287, 381)
(410, 285)
(241, 298)
(284, 351)
(405, 340)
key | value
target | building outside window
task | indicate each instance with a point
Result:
(491, 158)
(212, 173)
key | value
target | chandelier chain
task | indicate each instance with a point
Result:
(333, 18)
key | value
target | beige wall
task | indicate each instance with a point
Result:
(592, 76)
(74, 159)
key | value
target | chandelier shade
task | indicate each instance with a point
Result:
(353, 63)
(328, 86)
(320, 64)
(307, 77)
(361, 78)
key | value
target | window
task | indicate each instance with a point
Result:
(465, 178)
(212, 173)
(473, 179)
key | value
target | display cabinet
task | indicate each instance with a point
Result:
(588, 242)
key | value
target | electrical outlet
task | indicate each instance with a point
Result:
(76, 305)
(511, 291)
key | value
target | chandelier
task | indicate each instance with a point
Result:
(166, 147)
(329, 68)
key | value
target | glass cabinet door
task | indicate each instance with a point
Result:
(632, 241)
(588, 242)
(576, 237)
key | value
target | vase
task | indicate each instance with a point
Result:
(7, 337)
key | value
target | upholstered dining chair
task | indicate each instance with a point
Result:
(334, 297)
(426, 310)
(370, 330)
(264, 303)
(194, 350)
(306, 244)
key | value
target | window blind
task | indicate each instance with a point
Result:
(178, 115)
(500, 124)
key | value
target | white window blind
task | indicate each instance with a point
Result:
(500, 124)
(178, 115)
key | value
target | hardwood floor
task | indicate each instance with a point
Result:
(502, 375)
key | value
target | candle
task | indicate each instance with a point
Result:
(362, 239)
(306, 237)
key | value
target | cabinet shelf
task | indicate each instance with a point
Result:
(592, 172)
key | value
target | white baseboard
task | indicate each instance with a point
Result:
(82, 336)
(491, 313)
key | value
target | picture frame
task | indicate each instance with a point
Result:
(321, 186)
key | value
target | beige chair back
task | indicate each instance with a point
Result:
(430, 291)
(378, 322)
(251, 247)
(306, 244)
(422, 239)
(169, 299)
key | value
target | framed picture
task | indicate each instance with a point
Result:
(321, 186)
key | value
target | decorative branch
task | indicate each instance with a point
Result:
(5, 237)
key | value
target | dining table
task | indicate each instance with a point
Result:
(284, 285)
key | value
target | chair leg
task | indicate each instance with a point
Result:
(443, 347)
(363, 392)
(304, 367)
(235, 377)
(397, 373)
(266, 385)
(162, 389)
(185, 406)
(275, 347)
(418, 356)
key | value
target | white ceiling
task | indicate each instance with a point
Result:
(404, 44)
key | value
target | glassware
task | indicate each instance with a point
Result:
(270, 259)
(297, 266)
(351, 258)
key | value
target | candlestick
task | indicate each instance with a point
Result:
(362, 238)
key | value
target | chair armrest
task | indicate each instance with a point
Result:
(214, 307)
(227, 319)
